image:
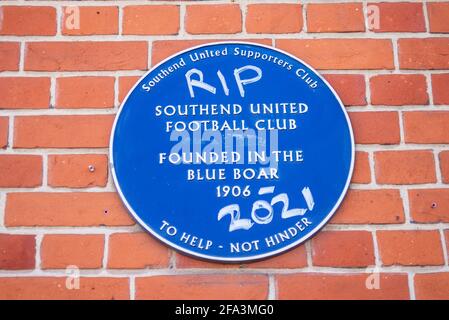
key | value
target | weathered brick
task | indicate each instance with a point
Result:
(217, 18)
(429, 205)
(274, 18)
(410, 247)
(151, 20)
(125, 84)
(370, 207)
(17, 251)
(400, 17)
(86, 56)
(24, 92)
(92, 20)
(375, 127)
(20, 171)
(210, 287)
(426, 127)
(398, 90)
(440, 88)
(438, 16)
(146, 251)
(422, 54)
(85, 92)
(75, 131)
(78, 170)
(341, 54)
(432, 286)
(59, 251)
(349, 87)
(318, 286)
(343, 249)
(362, 171)
(404, 167)
(9, 56)
(55, 288)
(65, 209)
(335, 17)
(28, 21)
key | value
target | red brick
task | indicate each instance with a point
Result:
(343, 249)
(165, 48)
(438, 16)
(370, 207)
(432, 286)
(426, 127)
(24, 92)
(136, 251)
(21, 171)
(86, 56)
(349, 87)
(296, 258)
(404, 167)
(85, 92)
(125, 84)
(335, 17)
(210, 287)
(9, 56)
(55, 288)
(422, 54)
(440, 88)
(151, 20)
(274, 18)
(58, 251)
(73, 170)
(65, 209)
(444, 165)
(398, 90)
(362, 171)
(341, 53)
(4, 128)
(429, 205)
(319, 286)
(375, 127)
(92, 20)
(28, 21)
(400, 17)
(410, 247)
(210, 19)
(77, 131)
(17, 251)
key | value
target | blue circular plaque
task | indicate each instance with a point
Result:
(232, 151)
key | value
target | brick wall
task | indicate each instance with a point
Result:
(60, 88)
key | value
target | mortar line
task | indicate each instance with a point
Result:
(2, 210)
(444, 246)
(38, 262)
(377, 258)
(272, 294)
(106, 251)
(10, 135)
(438, 173)
(426, 15)
(132, 287)
(45, 170)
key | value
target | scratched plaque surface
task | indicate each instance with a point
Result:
(232, 151)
